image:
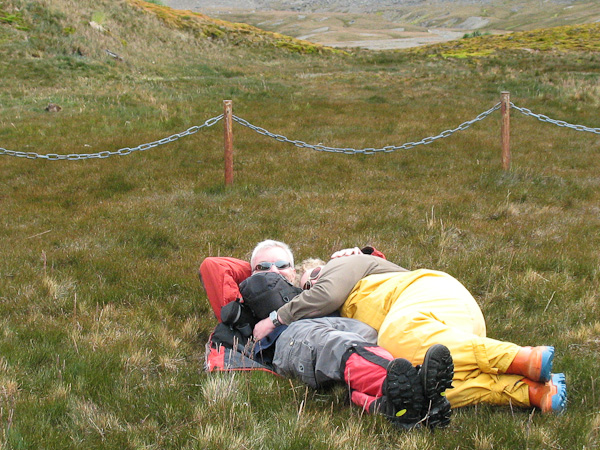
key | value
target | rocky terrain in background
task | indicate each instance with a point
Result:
(347, 6)
(393, 24)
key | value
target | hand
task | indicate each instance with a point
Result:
(346, 252)
(262, 328)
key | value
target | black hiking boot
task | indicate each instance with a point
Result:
(402, 402)
(436, 374)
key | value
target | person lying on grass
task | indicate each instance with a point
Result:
(411, 311)
(321, 351)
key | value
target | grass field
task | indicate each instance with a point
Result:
(103, 319)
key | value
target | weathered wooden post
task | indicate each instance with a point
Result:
(505, 130)
(228, 141)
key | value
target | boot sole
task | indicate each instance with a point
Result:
(556, 399)
(546, 365)
(404, 392)
(436, 377)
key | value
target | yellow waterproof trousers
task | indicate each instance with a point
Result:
(414, 310)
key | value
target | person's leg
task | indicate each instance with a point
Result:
(485, 363)
(478, 387)
(312, 349)
(381, 384)
(436, 308)
(445, 299)
(479, 363)
(408, 333)
(409, 396)
(327, 350)
(440, 310)
(515, 390)
(480, 373)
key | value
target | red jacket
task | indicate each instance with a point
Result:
(221, 277)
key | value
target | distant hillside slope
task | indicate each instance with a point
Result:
(128, 30)
(95, 32)
(494, 14)
(579, 38)
(215, 29)
(395, 24)
(347, 5)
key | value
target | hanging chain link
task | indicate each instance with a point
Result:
(367, 151)
(297, 143)
(560, 123)
(120, 152)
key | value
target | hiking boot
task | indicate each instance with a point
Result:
(534, 363)
(402, 402)
(436, 374)
(550, 396)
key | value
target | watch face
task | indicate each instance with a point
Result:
(273, 317)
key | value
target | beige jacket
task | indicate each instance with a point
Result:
(337, 281)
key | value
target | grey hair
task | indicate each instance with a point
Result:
(269, 243)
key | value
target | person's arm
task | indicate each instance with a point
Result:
(368, 250)
(221, 277)
(337, 281)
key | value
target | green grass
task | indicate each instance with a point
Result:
(103, 319)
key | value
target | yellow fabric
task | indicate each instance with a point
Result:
(493, 389)
(414, 310)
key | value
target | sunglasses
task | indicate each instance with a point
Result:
(264, 266)
(312, 278)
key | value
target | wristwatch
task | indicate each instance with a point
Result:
(274, 319)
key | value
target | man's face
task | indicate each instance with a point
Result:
(274, 255)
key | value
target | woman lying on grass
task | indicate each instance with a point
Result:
(413, 310)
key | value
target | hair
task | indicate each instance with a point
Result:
(305, 266)
(269, 243)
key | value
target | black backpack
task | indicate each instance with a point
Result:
(264, 292)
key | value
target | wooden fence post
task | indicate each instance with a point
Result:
(228, 141)
(505, 130)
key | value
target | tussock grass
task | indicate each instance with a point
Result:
(102, 317)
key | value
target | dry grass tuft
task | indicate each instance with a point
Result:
(89, 418)
(222, 389)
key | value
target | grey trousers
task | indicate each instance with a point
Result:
(312, 349)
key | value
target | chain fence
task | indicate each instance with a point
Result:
(368, 151)
(278, 137)
(560, 123)
(121, 152)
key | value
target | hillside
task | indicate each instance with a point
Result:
(584, 37)
(105, 25)
(70, 33)
(577, 38)
(397, 24)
